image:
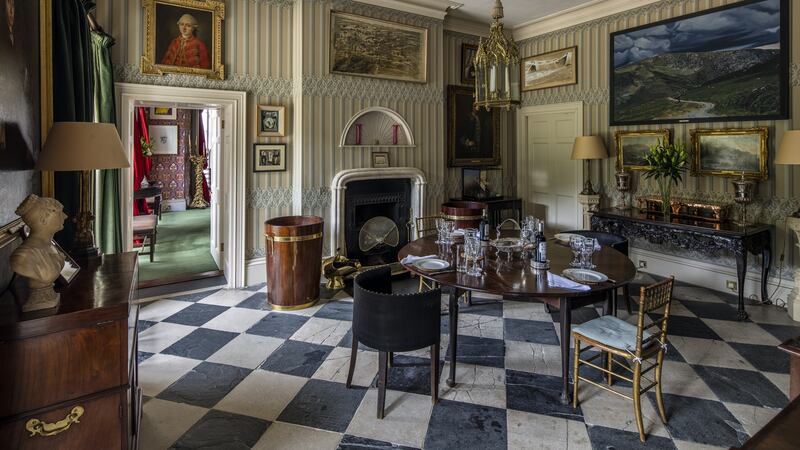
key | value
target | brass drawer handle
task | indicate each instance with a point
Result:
(36, 426)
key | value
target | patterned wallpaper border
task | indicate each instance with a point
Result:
(278, 3)
(258, 85)
(370, 88)
(591, 96)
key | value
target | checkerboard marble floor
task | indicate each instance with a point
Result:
(220, 370)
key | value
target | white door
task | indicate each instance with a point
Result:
(548, 180)
(211, 118)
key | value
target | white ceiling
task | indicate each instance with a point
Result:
(516, 12)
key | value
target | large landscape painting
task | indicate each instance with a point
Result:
(377, 48)
(728, 63)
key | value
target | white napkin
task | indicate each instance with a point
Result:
(410, 259)
(561, 282)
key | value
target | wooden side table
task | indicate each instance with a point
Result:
(792, 347)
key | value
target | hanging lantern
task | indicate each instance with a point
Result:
(496, 63)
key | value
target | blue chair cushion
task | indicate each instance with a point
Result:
(611, 331)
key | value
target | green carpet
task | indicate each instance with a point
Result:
(182, 247)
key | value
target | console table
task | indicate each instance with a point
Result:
(497, 206)
(698, 235)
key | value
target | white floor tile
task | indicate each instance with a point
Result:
(612, 411)
(753, 418)
(709, 352)
(528, 431)
(480, 326)
(162, 335)
(335, 367)
(246, 350)
(227, 297)
(165, 422)
(680, 379)
(262, 394)
(525, 311)
(746, 332)
(532, 357)
(405, 421)
(237, 320)
(159, 371)
(284, 436)
(479, 385)
(322, 331)
(161, 309)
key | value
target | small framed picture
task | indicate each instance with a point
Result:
(162, 113)
(269, 157)
(70, 268)
(164, 139)
(468, 63)
(380, 160)
(271, 120)
(730, 152)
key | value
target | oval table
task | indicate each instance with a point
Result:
(515, 280)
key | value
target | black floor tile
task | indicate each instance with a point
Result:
(457, 425)
(223, 430)
(484, 307)
(349, 442)
(195, 297)
(766, 358)
(603, 438)
(480, 351)
(200, 343)
(782, 332)
(297, 358)
(142, 356)
(205, 385)
(255, 301)
(336, 310)
(539, 394)
(278, 325)
(324, 405)
(347, 341)
(410, 374)
(689, 327)
(711, 310)
(196, 314)
(530, 331)
(701, 421)
(143, 325)
(742, 386)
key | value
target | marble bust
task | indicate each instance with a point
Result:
(37, 259)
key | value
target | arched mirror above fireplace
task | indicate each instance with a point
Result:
(377, 127)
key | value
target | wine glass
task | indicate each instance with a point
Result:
(576, 245)
(450, 227)
(586, 253)
(440, 230)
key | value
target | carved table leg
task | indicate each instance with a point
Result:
(766, 262)
(566, 331)
(741, 271)
(454, 295)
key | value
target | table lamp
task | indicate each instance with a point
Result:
(83, 147)
(587, 148)
(789, 153)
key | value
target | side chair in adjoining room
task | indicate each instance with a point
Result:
(390, 323)
(637, 344)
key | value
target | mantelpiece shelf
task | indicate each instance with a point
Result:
(377, 124)
(378, 146)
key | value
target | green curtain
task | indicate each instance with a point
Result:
(72, 95)
(107, 225)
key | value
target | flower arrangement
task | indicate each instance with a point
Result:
(147, 148)
(667, 163)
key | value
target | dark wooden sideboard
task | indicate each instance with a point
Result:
(70, 374)
(497, 206)
(697, 235)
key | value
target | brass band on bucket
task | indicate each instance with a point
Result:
(449, 217)
(309, 237)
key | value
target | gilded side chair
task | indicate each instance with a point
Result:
(425, 226)
(638, 345)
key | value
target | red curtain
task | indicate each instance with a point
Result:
(141, 163)
(201, 150)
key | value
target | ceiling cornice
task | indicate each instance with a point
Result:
(586, 12)
(464, 26)
(429, 8)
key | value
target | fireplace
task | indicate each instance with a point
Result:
(358, 195)
(376, 213)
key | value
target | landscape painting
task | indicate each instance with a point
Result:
(731, 152)
(724, 64)
(377, 48)
(632, 146)
(553, 69)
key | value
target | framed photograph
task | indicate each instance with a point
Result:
(723, 64)
(271, 120)
(269, 157)
(70, 269)
(472, 135)
(632, 146)
(467, 63)
(164, 139)
(163, 113)
(730, 152)
(380, 159)
(481, 184)
(552, 69)
(183, 36)
(369, 47)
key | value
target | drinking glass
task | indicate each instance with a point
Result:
(576, 245)
(586, 253)
(440, 230)
(460, 258)
(472, 250)
(450, 227)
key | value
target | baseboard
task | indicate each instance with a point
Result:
(708, 275)
(177, 204)
(255, 271)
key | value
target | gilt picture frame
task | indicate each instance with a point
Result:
(163, 113)
(473, 136)
(632, 146)
(193, 49)
(730, 152)
(368, 47)
(551, 69)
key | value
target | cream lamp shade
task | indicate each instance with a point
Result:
(588, 147)
(789, 150)
(78, 146)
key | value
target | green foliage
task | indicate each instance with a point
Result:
(667, 162)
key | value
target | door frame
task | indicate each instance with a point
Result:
(523, 165)
(232, 161)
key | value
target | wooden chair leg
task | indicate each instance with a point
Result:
(353, 355)
(547, 308)
(391, 359)
(659, 398)
(575, 371)
(382, 369)
(435, 373)
(153, 246)
(637, 398)
(627, 294)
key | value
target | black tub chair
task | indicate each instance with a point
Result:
(615, 241)
(394, 323)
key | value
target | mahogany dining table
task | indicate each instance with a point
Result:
(515, 280)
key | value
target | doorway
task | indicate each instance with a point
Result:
(226, 213)
(548, 180)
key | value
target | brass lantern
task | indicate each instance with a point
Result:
(497, 67)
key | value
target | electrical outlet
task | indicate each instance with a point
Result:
(732, 285)
(642, 264)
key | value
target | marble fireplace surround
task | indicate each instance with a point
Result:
(339, 184)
